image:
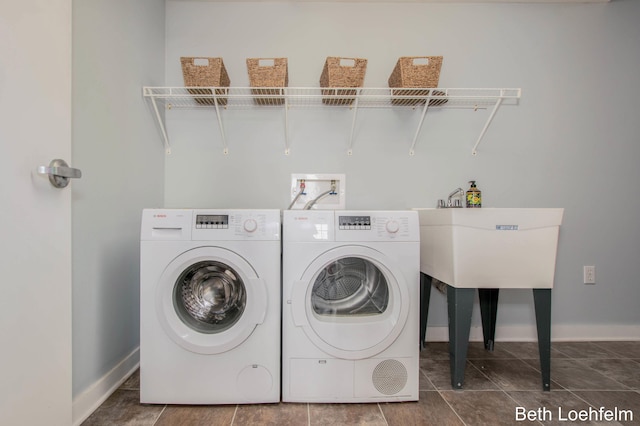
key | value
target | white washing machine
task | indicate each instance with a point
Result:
(210, 316)
(351, 305)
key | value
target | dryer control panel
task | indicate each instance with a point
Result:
(348, 225)
(377, 226)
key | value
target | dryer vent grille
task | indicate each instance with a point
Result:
(389, 377)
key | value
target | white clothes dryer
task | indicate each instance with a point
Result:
(210, 306)
(351, 306)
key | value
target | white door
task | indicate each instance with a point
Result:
(35, 248)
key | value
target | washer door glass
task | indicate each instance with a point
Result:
(350, 286)
(209, 300)
(209, 297)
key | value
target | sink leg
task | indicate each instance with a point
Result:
(460, 306)
(425, 298)
(488, 311)
(542, 302)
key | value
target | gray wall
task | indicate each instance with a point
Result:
(572, 142)
(118, 46)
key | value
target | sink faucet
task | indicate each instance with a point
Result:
(458, 192)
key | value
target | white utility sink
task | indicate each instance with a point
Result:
(490, 247)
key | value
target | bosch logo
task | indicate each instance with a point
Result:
(159, 215)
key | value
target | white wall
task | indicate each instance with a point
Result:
(572, 142)
(118, 46)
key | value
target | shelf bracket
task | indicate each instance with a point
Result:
(353, 123)
(286, 123)
(220, 126)
(167, 147)
(415, 137)
(486, 125)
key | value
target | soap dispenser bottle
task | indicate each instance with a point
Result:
(474, 196)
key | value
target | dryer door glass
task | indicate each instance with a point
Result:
(209, 297)
(350, 286)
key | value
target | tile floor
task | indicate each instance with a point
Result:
(584, 375)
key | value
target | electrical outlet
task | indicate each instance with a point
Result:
(589, 273)
(318, 187)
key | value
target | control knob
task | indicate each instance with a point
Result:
(250, 225)
(392, 226)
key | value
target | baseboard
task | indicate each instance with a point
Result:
(88, 401)
(559, 333)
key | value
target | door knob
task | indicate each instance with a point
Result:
(59, 173)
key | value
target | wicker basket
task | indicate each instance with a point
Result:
(205, 72)
(271, 73)
(416, 71)
(342, 72)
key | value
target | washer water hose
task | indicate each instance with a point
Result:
(301, 192)
(332, 191)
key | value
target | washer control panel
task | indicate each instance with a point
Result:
(206, 221)
(243, 225)
(354, 222)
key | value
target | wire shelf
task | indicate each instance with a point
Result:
(312, 97)
(285, 98)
